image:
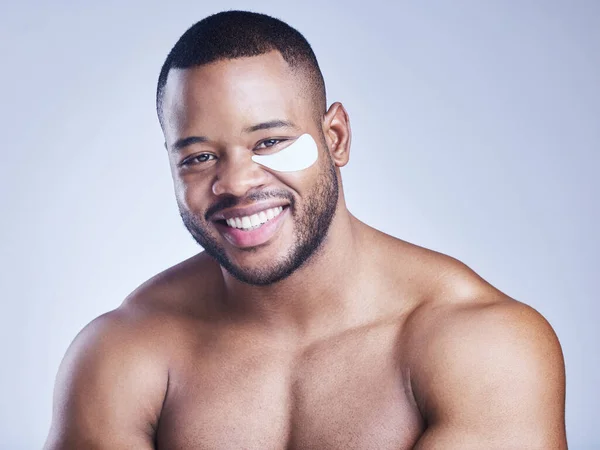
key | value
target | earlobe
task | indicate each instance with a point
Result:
(336, 127)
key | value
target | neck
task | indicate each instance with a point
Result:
(324, 295)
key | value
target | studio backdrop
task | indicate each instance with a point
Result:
(476, 133)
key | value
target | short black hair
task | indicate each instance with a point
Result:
(235, 34)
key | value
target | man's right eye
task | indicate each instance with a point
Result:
(203, 157)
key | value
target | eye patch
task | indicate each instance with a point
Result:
(299, 155)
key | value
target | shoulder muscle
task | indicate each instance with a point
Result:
(491, 375)
(109, 388)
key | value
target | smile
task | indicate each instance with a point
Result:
(255, 220)
(253, 230)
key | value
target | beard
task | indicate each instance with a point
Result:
(310, 229)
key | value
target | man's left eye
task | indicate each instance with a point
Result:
(269, 143)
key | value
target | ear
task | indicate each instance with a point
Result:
(336, 128)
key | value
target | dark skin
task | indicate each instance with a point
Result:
(372, 343)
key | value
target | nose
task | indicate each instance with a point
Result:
(237, 174)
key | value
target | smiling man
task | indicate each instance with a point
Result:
(298, 326)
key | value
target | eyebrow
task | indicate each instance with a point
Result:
(184, 142)
(269, 124)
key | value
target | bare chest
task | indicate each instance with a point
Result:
(346, 393)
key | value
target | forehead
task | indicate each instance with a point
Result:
(226, 96)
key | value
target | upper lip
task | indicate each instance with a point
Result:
(247, 210)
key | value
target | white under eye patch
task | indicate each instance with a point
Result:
(299, 155)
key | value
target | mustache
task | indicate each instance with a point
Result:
(231, 201)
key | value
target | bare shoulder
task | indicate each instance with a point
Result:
(486, 369)
(109, 387)
(491, 335)
(140, 329)
(114, 377)
(464, 313)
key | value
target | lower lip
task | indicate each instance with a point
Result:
(252, 238)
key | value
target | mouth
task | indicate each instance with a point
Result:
(254, 230)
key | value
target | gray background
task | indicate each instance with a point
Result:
(475, 133)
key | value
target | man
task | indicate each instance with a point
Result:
(298, 327)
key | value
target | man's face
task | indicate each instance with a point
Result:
(216, 117)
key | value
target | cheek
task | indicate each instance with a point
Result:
(190, 195)
(303, 183)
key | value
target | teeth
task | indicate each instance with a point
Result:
(255, 220)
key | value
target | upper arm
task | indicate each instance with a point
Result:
(493, 377)
(109, 389)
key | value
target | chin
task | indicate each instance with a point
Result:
(258, 277)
